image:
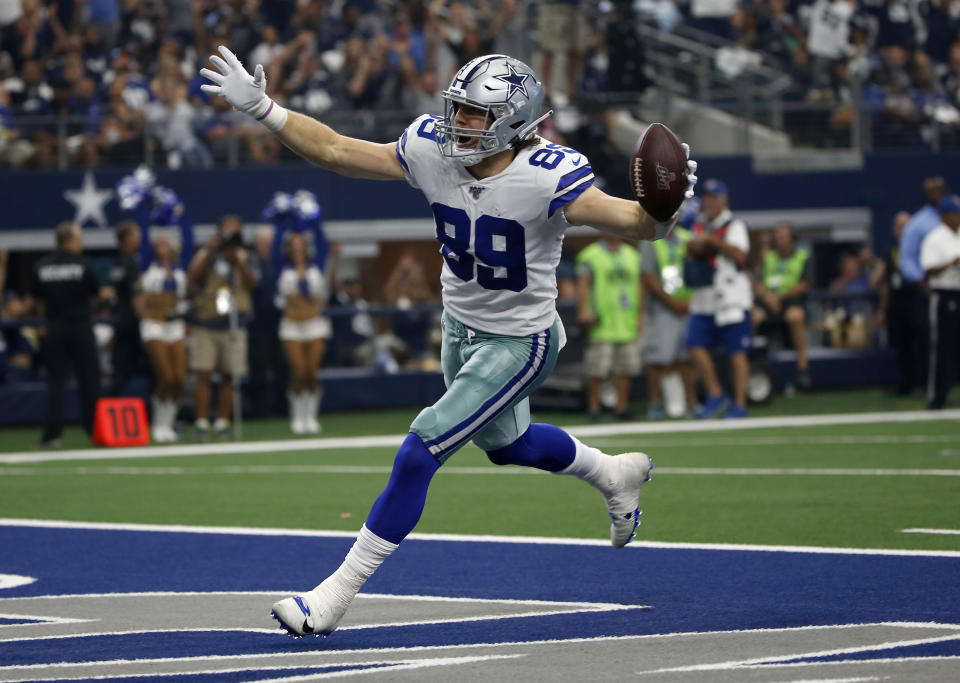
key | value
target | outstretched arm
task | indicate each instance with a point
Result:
(620, 217)
(314, 141)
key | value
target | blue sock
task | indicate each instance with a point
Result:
(397, 510)
(542, 446)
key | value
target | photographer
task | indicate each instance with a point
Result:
(218, 275)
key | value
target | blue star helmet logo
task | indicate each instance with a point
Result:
(517, 82)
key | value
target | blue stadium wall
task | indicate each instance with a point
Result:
(886, 183)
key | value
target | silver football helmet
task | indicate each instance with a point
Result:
(510, 94)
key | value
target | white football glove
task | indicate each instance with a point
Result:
(246, 93)
(691, 171)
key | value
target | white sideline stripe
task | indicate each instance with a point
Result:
(40, 620)
(498, 471)
(784, 440)
(858, 679)
(468, 538)
(945, 532)
(580, 606)
(328, 443)
(784, 660)
(372, 667)
(516, 643)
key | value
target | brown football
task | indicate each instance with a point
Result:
(658, 172)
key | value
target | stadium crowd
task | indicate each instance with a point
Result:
(124, 72)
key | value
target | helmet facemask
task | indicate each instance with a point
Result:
(509, 111)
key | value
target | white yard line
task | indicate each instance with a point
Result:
(367, 667)
(290, 655)
(490, 470)
(342, 443)
(943, 532)
(786, 660)
(467, 538)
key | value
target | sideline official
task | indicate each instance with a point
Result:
(940, 258)
(64, 284)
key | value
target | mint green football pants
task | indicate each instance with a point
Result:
(488, 378)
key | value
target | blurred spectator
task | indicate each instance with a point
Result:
(32, 97)
(221, 277)
(14, 150)
(406, 287)
(829, 37)
(898, 23)
(353, 329)
(780, 296)
(847, 323)
(173, 120)
(666, 308)
(268, 48)
(894, 310)
(942, 22)
(940, 258)
(120, 137)
(713, 16)
(721, 300)
(608, 289)
(950, 76)
(562, 29)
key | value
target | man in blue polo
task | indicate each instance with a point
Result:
(721, 300)
(921, 224)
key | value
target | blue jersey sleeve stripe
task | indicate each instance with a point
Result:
(568, 197)
(400, 156)
(573, 176)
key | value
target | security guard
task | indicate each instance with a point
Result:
(63, 284)
(781, 295)
(125, 280)
(666, 304)
(608, 292)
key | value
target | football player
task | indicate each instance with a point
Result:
(502, 198)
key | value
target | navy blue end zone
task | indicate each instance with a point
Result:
(688, 590)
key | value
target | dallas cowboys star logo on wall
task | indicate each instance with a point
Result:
(517, 82)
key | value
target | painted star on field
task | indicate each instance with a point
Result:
(89, 201)
(517, 82)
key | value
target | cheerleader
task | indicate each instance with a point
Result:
(302, 294)
(164, 288)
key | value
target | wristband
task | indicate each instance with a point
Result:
(273, 116)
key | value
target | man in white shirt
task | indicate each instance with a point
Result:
(721, 300)
(940, 260)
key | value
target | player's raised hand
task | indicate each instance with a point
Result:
(246, 93)
(691, 171)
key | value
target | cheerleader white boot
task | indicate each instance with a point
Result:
(295, 401)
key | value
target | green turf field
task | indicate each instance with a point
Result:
(744, 486)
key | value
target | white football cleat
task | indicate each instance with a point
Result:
(316, 612)
(630, 471)
(297, 426)
(311, 426)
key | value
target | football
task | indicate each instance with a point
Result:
(658, 172)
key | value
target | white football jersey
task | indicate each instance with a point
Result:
(289, 284)
(155, 280)
(502, 235)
